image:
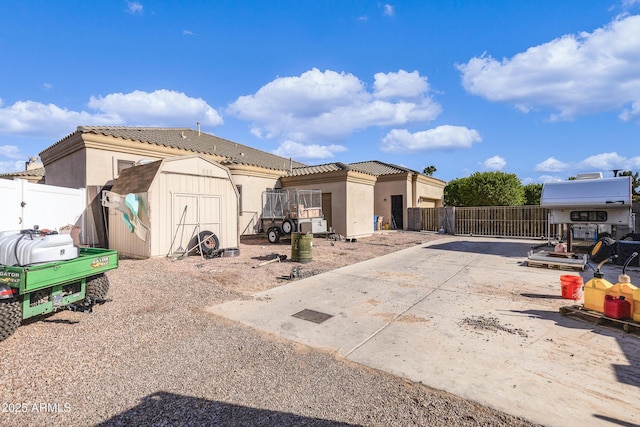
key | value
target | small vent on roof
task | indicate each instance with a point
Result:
(590, 175)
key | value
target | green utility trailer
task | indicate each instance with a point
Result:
(39, 289)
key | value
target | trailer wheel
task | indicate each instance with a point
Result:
(97, 286)
(273, 235)
(287, 226)
(10, 317)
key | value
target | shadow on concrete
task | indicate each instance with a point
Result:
(541, 296)
(169, 409)
(629, 343)
(493, 247)
(615, 421)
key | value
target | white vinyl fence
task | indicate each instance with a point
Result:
(25, 205)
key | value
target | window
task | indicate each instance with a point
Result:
(239, 187)
(124, 164)
(588, 216)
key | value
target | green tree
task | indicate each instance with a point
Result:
(452, 192)
(485, 189)
(532, 194)
(430, 170)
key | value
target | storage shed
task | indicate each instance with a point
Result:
(158, 208)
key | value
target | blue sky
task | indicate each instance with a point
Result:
(545, 89)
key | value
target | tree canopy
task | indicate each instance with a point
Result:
(485, 189)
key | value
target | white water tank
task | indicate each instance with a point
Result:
(24, 248)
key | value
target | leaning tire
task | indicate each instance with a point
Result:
(10, 317)
(97, 287)
(209, 243)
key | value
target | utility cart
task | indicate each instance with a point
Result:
(76, 279)
(290, 210)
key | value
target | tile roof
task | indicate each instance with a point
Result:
(328, 167)
(30, 172)
(378, 168)
(194, 141)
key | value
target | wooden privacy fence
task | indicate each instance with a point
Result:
(504, 221)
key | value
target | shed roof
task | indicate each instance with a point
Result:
(136, 179)
(194, 141)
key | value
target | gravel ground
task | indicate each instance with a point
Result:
(153, 357)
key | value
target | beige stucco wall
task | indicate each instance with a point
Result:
(352, 195)
(392, 186)
(429, 192)
(69, 171)
(253, 182)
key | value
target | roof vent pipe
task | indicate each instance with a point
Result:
(198, 124)
(290, 164)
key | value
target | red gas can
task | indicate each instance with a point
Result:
(617, 308)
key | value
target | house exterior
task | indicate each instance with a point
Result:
(347, 195)
(93, 157)
(398, 188)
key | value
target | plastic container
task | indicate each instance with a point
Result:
(594, 292)
(617, 308)
(636, 304)
(301, 244)
(571, 286)
(624, 288)
(20, 248)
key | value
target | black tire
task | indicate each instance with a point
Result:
(10, 317)
(97, 287)
(209, 243)
(287, 226)
(273, 235)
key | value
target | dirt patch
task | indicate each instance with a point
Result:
(490, 323)
(247, 272)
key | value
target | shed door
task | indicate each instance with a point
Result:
(193, 213)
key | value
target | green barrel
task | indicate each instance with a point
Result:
(301, 244)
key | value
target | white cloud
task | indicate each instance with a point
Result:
(329, 106)
(608, 161)
(37, 119)
(307, 151)
(11, 151)
(399, 85)
(134, 7)
(444, 137)
(389, 10)
(187, 33)
(550, 178)
(551, 165)
(12, 166)
(495, 163)
(571, 75)
(159, 108)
